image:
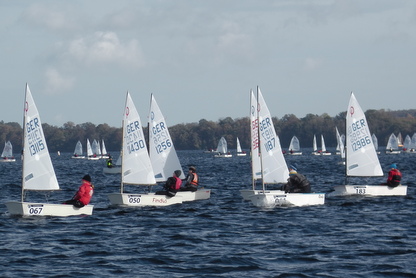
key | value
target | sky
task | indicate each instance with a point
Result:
(200, 59)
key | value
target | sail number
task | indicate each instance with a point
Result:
(34, 136)
(266, 130)
(133, 138)
(360, 190)
(359, 138)
(161, 138)
(134, 199)
(35, 209)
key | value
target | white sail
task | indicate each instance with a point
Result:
(78, 148)
(162, 151)
(222, 146)
(239, 150)
(361, 156)
(254, 125)
(103, 149)
(315, 146)
(323, 147)
(294, 144)
(7, 150)
(407, 142)
(96, 148)
(136, 165)
(38, 172)
(340, 143)
(273, 162)
(89, 149)
(393, 143)
(375, 141)
(413, 143)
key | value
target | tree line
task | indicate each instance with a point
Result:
(206, 134)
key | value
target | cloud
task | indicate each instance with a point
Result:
(49, 17)
(56, 83)
(105, 47)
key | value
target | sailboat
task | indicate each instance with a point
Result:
(407, 144)
(274, 168)
(323, 147)
(375, 142)
(240, 152)
(222, 150)
(38, 173)
(104, 153)
(116, 169)
(136, 167)
(78, 151)
(163, 156)
(315, 146)
(7, 154)
(340, 146)
(392, 145)
(96, 149)
(413, 144)
(361, 157)
(90, 154)
(294, 146)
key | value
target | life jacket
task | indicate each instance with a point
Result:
(396, 178)
(195, 179)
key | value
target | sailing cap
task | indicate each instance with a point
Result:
(87, 178)
(192, 168)
(394, 166)
(291, 173)
(293, 167)
(178, 172)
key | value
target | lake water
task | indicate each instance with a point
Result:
(220, 237)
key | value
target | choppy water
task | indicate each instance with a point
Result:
(219, 237)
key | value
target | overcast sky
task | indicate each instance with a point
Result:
(201, 58)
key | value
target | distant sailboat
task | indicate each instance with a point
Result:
(7, 154)
(340, 146)
(78, 151)
(222, 150)
(294, 146)
(407, 144)
(104, 153)
(240, 152)
(323, 147)
(392, 145)
(315, 146)
(90, 154)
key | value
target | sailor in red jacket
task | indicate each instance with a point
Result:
(84, 193)
(394, 177)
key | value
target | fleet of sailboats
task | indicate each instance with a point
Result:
(144, 168)
(38, 173)
(361, 157)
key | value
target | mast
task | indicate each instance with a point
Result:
(258, 132)
(25, 108)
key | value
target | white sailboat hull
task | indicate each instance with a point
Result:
(274, 199)
(79, 157)
(393, 152)
(7, 160)
(223, 155)
(113, 170)
(142, 200)
(241, 154)
(368, 190)
(200, 194)
(246, 193)
(295, 153)
(40, 209)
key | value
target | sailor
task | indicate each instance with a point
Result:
(296, 183)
